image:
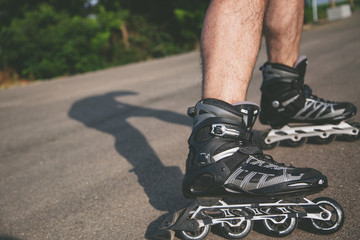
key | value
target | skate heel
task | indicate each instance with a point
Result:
(164, 231)
(176, 221)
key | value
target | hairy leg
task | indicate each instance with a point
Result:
(283, 24)
(230, 43)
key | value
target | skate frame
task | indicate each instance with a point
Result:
(296, 133)
(258, 213)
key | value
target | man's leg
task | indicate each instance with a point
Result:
(230, 43)
(283, 27)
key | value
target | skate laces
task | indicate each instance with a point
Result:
(269, 159)
(308, 93)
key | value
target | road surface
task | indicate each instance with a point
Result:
(101, 155)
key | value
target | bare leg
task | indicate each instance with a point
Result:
(230, 43)
(283, 27)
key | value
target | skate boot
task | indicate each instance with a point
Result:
(222, 154)
(286, 99)
(225, 165)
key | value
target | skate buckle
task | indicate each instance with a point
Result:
(221, 130)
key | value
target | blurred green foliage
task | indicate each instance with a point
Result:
(42, 39)
(46, 39)
(46, 43)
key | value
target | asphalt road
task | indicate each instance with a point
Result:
(101, 155)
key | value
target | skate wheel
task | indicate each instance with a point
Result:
(277, 226)
(199, 234)
(263, 143)
(320, 140)
(352, 138)
(236, 232)
(298, 143)
(337, 216)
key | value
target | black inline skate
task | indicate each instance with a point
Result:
(286, 99)
(234, 183)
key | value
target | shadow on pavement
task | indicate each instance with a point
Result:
(105, 113)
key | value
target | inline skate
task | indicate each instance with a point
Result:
(286, 99)
(235, 184)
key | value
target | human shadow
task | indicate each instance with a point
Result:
(105, 113)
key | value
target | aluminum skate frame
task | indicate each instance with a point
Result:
(257, 213)
(296, 133)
